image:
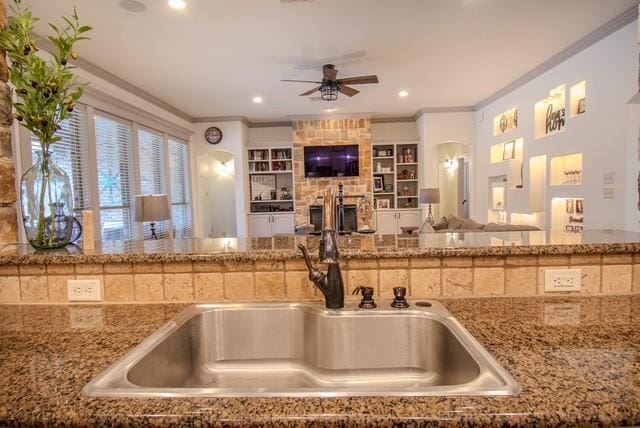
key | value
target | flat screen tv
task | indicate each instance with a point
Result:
(331, 161)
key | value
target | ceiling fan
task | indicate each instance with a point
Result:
(331, 85)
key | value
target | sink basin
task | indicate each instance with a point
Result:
(302, 349)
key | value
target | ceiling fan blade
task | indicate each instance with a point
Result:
(329, 73)
(347, 90)
(300, 81)
(359, 80)
(309, 92)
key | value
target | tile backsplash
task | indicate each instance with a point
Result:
(447, 277)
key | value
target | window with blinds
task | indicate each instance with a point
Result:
(180, 203)
(70, 154)
(115, 181)
(152, 173)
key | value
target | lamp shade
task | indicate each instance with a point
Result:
(152, 208)
(429, 196)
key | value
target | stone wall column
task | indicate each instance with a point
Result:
(8, 194)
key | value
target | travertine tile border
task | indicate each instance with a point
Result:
(445, 277)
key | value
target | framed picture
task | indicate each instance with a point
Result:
(378, 184)
(509, 150)
(570, 206)
(383, 204)
(579, 206)
(581, 106)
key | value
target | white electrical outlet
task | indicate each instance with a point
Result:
(84, 290)
(559, 280)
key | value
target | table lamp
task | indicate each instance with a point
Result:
(152, 208)
(429, 196)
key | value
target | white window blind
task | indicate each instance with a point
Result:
(115, 181)
(70, 154)
(180, 203)
(152, 173)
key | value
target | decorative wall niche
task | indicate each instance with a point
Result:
(578, 99)
(550, 113)
(507, 151)
(537, 182)
(498, 193)
(505, 122)
(567, 214)
(528, 219)
(566, 170)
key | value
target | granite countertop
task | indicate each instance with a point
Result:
(576, 359)
(284, 247)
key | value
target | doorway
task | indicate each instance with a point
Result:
(217, 195)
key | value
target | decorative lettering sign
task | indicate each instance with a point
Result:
(505, 122)
(554, 121)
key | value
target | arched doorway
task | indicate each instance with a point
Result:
(216, 194)
(453, 178)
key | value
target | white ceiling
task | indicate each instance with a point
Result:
(214, 57)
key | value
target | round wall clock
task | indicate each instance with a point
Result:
(213, 135)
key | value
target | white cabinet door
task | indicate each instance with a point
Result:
(409, 218)
(282, 224)
(386, 222)
(259, 225)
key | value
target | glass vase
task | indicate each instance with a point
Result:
(47, 204)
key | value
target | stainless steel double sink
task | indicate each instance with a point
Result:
(302, 349)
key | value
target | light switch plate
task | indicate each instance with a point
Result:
(561, 280)
(84, 290)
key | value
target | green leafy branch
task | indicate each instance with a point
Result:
(47, 89)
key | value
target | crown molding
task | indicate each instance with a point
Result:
(590, 39)
(103, 74)
(275, 124)
(458, 109)
(392, 119)
(211, 119)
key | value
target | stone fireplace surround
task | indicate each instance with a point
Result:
(331, 132)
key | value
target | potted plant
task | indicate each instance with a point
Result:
(47, 91)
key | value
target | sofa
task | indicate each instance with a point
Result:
(451, 223)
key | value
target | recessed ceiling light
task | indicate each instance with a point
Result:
(403, 94)
(329, 110)
(134, 6)
(257, 100)
(177, 4)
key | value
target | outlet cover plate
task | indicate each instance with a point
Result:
(562, 280)
(84, 290)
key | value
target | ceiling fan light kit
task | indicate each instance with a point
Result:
(329, 92)
(331, 85)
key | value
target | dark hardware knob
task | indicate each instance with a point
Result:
(399, 299)
(367, 301)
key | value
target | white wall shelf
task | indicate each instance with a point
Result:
(566, 170)
(402, 159)
(550, 113)
(270, 171)
(578, 99)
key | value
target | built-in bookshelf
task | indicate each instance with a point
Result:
(270, 179)
(395, 175)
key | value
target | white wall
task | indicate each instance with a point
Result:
(435, 129)
(271, 135)
(216, 178)
(394, 132)
(448, 179)
(610, 69)
(234, 141)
